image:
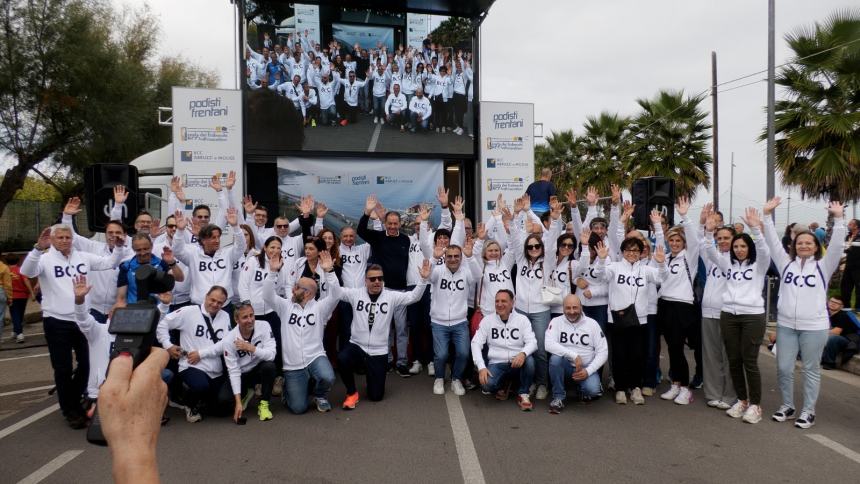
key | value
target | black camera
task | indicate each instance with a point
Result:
(134, 329)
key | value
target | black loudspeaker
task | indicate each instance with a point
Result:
(99, 180)
(649, 193)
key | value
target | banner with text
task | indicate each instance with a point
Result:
(344, 184)
(417, 29)
(308, 18)
(507, 152)
(207, 140)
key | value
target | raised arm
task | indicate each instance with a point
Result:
(777, 252)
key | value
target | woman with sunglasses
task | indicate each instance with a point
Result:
(492, 270)
(309, 266)
(802, 317)
(566, 268)
(530, 244)
(742, 318)
(332, 245)
(627, 281)
(676, 309)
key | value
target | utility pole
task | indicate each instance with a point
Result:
(788, 212)
(715, 140)
(771, 94)
(732, 190)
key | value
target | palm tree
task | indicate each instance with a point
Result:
(670, 138)
(560, 153)
(604, 149)
(818, 124)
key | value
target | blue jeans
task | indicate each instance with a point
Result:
(203, 388)
(501, 372)
(835, 344)
(296, 384)
(378, 107)
(328, 115)
(442, 336)
(539, 321)
(413, 119)
(810, 344)
(561, 371)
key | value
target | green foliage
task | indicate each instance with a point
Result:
(818, 122)
(668, 137)
(37, 190)
(79, 85)
(453, 32)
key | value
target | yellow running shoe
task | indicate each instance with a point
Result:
(263, 411)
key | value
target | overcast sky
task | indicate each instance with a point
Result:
(577, 58)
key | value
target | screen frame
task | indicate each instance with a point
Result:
(266, 153)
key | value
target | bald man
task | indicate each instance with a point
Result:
(303, 321)
(578, 349)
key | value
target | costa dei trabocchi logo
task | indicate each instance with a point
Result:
(509, 143)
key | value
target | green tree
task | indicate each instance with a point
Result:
(604, 149)
(559, 152)
(670, 138)
(78, 85)
(453, 32)
(818, 122)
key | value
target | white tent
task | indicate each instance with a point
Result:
(156, 162)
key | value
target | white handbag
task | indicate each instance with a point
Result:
(550, 295)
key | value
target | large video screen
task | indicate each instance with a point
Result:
(353, 81)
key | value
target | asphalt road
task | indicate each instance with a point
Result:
(415, 436)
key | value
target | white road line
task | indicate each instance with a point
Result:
(470, 466)
(374, 139)
(836, 447)
(27, 421)
(26, 390)
(51, 467)
(24, 357)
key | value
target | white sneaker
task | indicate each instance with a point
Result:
(738, 409)
(457, 388)
(685, 396)
(192, 415)
(636, 396)
(438, 130)
(439, 386)
(541, 393)
(753, 414)
(416, 368)
(620, 398)
(431, 369)
(673, 392)
(719, 404)
(19, 338)
(647, 392)
(278, 387)
(375, 120)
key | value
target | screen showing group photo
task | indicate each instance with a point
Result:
(327, 79)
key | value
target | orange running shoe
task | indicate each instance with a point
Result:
(350, 401)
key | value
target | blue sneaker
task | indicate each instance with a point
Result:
(323, 405)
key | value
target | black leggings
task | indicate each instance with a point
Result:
(677, 321)
(628, 356)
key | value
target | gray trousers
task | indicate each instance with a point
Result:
(717, 376)
(400, 336)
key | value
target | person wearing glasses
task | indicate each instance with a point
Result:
(628, 300)
(530, 247)
(303, 320)
(182, 289)
(372, 307)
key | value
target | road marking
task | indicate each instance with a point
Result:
(27, 421)
(836, 447)
(375, 138)
(24, 357)
(51, 467)
(27, 390)
(470, 466)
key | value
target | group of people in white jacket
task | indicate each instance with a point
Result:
(522, 299)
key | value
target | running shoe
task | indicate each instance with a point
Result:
(783, 413)
(350, 401)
